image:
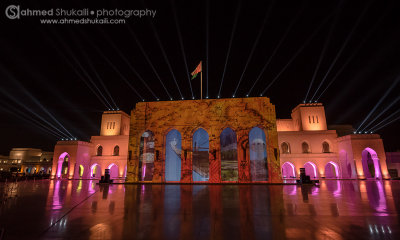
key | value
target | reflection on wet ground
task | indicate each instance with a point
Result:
(83, 210)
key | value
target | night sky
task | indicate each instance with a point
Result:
(53, 75)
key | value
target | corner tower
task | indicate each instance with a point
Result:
(114, 123)
(309, 117)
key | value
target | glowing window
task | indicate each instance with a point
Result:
(325, 147)
(99, 151)
(305, 147)
(285, 147)
(116, 151)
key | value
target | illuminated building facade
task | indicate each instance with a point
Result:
(7, 165)
(31, 160)
(211, 140)
(88, 160)
(306, 142)
(217, 141)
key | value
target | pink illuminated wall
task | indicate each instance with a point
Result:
(343, 158)
(332, 170)
(288, 170)
(369, 157)
(60, 163)
(311, 169)
(114, 173)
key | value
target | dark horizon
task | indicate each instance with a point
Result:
(54, 64)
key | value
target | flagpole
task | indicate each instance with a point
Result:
(201, 81)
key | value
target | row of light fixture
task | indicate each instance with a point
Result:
(361, 132)
(69, 139)
(247, 95)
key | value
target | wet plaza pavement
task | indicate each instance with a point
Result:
(80, 209)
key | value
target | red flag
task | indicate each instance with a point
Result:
(196, 71)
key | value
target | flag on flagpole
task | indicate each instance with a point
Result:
(196, 71)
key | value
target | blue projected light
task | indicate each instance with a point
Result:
(229, 161)
(173, 156)
(200, 155)
(258, 155)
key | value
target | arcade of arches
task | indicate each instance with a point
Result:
(218, 140)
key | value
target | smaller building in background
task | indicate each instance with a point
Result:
(9, 165)
(32, 160)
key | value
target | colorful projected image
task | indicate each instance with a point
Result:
(258, 155)
(229, 162)
(173, 156)
(200, 155)
(146, 157)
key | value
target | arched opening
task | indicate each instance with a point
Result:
(325, 147)
(288, 170)
(95, 171)
(99, 151)
(146, 156)
(63, 165)
(116, 151)
(49, 170)
(42, 170)
(331, 170)
(113, 168)
(81, 169)
(370, 163)
(258, 155)
(229, 162)
(305, 147)
(285, 148)
(173, 156)
(311, 169)
(200, 161)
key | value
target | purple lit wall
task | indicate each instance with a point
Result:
(60, 163)
(311, 169)
(288, 170)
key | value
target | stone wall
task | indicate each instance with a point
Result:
(213, 115)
